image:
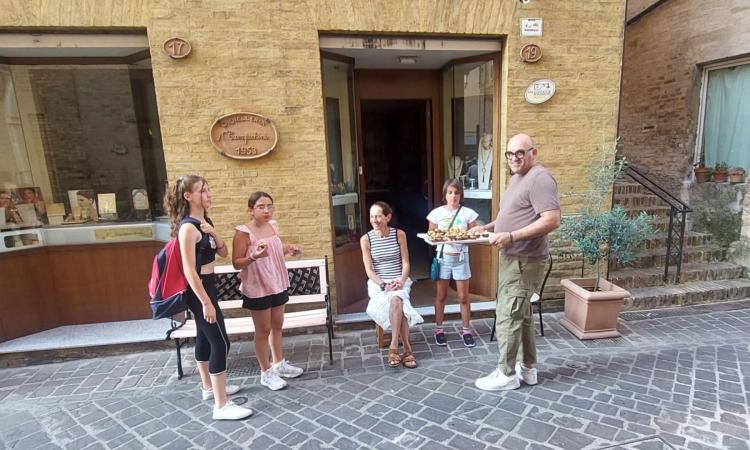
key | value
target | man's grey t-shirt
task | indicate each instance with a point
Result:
(525, 199)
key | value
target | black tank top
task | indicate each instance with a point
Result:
(205, 249)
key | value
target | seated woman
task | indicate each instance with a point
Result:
(386, 260)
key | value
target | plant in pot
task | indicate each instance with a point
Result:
(702, 173)
(600, 234)
(720, 172)
(736, 174)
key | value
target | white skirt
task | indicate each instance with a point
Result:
(379, 305)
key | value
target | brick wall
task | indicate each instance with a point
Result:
(84, 116)
(663, 58)
(262, 56)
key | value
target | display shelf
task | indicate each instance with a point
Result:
(18, 239)
(478, 193)
(344, 199)
(11, 240)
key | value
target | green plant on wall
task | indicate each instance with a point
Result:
(720, 214)
(598, 232)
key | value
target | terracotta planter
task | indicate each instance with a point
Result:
(736, 176)
(701, 174)
(592, 315)
(720, 177)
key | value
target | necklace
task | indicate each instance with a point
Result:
(485, 160)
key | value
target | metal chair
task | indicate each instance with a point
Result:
(536, 299)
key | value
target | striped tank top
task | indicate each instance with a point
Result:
(386, 254)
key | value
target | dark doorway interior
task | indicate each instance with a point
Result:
(396, 146)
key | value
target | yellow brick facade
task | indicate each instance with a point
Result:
(262, 56)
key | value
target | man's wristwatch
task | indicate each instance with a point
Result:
(382, 286)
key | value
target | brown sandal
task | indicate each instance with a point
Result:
(409, 360)
(393, 359)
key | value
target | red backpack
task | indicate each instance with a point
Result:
(168, 285)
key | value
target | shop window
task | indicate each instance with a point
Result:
(342, 151)
(469, 156)
(79, 139)
(725, 136)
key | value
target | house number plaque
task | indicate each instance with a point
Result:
(531, 53)
(177, 48)
(243, 135)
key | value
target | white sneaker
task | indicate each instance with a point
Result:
(271, 380)
(286, 370)
(528, 376)
(497, 381)
(208, 394)
(230, 411)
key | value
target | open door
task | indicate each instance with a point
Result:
(344, 176)
(470, 135)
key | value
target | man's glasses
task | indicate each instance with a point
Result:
(264, 207)
(519, 154)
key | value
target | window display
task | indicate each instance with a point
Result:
(342, 152)
(82, 137)
(469, 153)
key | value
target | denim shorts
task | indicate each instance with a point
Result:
(456, 267)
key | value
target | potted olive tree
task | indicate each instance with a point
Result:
(600, 234)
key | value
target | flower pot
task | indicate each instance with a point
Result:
(701, 174)
(720, 176)
(592, 315)
(736, 176)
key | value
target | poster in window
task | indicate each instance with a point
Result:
(33, 196)
(107, 206)
(140, 199)
(82, 206)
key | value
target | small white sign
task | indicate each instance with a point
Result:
(540, 91)
(531, 27)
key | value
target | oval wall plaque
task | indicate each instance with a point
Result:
(540, 91)
(243, 135)
(531, 53)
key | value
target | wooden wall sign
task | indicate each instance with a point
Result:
(540, 91)
(243, 135)
(177, 48)
(531, 53)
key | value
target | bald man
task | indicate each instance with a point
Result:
(529, 211)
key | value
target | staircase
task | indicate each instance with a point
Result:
(704, 277)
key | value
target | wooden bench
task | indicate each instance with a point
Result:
(308, 285)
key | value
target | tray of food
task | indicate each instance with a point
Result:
(455, 236)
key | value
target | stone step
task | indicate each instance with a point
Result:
(692, 239)
(628, 187)
(638, 200)
(655, 257)
(639, 278)
(690, 293)
(659, 213)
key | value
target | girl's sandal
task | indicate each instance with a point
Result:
(393, 359)
(409, 361)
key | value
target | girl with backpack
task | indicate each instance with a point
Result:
(187, 203)
(454, 259)
(257, 251)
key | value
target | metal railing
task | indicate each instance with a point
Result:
(677, 220)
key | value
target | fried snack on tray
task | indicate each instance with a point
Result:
(453, 234)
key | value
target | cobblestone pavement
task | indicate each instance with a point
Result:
(678, 379)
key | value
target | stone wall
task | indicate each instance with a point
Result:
(262, 56)
(664, 55)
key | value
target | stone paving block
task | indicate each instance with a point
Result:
(163, 437)
(569, 440)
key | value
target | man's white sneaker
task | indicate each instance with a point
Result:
(497, 381)
(208, 394)
(271, 380)
(230, 411)
(286, 370)
(528, 376)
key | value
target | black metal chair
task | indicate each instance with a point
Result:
(536, 299)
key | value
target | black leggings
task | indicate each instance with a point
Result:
(211, 341)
